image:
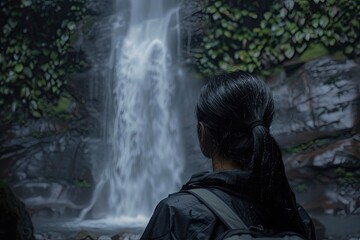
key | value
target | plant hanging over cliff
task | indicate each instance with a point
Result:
(255, 36)
(36, 52)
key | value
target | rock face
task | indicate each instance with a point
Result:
(15, 222)
(47, 163)
(317, 125)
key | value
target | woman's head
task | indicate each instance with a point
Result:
(234, 114)
(233, 109)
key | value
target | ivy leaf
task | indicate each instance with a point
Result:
(283, 13)
(301, 48)
(299, 36)
(289, 4)
(34, 104)
(332, 41)
(18, 68)
(281, 57)
(289, 52)
(71, 25)
(218, 4)
(315, 23)
(263, 24)
(47, 76)
(45, 52)
(64, 23)
(267, 15)
(12, 23)
(54, 55)
(54, 88)
(208, 45)
(302, 21)
(26, 3)
(280, 31)
(61, 72)
(253, 15)
(324, 21)
(13, 106)
(333, 11)
(64, 38)
(36, 114)
(28, 72)
(251, 67)
(218, 33)
(349, 49)
(256, 54)
(223, 9)
(25, 92)
(227, 34)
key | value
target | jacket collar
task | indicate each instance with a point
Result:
(236, 181)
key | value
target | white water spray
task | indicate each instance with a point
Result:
(147, 156)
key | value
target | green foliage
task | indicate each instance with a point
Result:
(36, 52)
(313, 51)
(301, 188)
(306, 146)
(245, 35)
(61, 109)
(346, 177)
(2, 183)
(81, 183)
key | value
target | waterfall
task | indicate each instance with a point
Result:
(146, 159)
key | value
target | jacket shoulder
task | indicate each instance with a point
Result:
(180, 216)
(184, 206)
(180, 200)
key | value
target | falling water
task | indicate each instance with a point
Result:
(146, 159)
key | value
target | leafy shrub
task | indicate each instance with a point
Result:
(36, 52)
(246, 35)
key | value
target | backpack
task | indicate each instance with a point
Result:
(237, 228)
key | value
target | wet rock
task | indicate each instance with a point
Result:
(126, 236)
(340, 153)
(53, 150)
(86, 235)
(50, 236)
(103, 237)
(192, 24)
(313, 101)
(317, 125)
(319, 229)
(15, 222)
(47, 164)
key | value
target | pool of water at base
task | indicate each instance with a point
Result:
(336, 227)
(68, 229)
(339, 226)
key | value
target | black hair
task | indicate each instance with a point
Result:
(236, 110)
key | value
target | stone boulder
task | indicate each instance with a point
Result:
(317, 125)
(15, 221)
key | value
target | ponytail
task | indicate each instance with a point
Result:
(274, 193)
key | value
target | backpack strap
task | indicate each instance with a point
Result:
(219, 208)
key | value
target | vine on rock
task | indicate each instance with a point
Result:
(36, 52)
(255, 36)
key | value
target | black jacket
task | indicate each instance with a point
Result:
(183, 216)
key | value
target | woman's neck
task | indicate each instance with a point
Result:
(219, 163)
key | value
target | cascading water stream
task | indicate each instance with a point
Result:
(146, 160)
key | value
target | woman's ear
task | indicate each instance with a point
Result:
(205, 140)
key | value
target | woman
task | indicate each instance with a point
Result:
(234, 115)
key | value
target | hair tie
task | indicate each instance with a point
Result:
(256, 123)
